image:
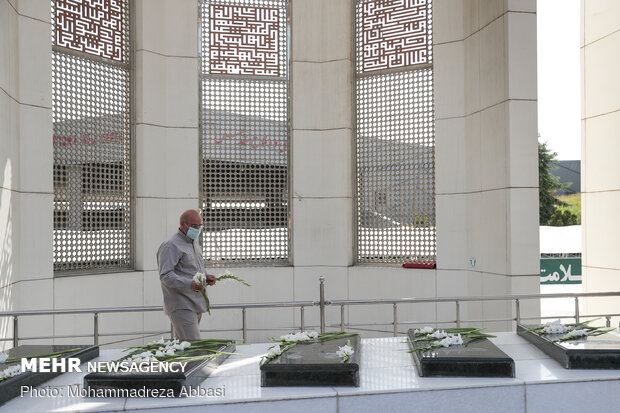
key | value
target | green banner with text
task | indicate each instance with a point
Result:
(560, 271)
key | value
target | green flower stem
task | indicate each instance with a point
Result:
(220, 278)
(232, 277)
(204, 294)
(472, 333)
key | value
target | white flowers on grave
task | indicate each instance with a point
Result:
(287, 341)
(301, 336)
(166, 348)
(569, 331)
(439, 334)
(445, 338)
(345, 351)
(425, 330)
(10, 372)
(451, 340)
(556, 327)
(274, 351)
(575, 333)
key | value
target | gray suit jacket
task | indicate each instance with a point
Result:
(178, 260)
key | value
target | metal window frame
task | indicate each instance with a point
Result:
(354, 149)
(131, 69)
(288, 79)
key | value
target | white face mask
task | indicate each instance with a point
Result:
(193, 232)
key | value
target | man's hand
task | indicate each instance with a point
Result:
(210, 279)
(197, 286)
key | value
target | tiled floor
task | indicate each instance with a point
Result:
(389, 382)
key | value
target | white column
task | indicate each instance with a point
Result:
(600, 180)
(486, 158)
(26, 194)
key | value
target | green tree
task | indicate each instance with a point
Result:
(547, 184)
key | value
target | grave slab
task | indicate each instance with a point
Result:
(12, 386)
(314, 364)
(474, 358)
(596, 352)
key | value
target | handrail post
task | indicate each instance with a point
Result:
(322, 302)
(244, 326)
(518, 310)
(607, 321)
(15, 332)
(576, 309)
(395, 320)
(342, 317)
(458, 313)
(303, 321)
(96, 328)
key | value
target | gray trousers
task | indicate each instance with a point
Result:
(185, 324)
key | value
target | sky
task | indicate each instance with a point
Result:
(559, 77)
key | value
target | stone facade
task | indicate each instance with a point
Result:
(485, 159)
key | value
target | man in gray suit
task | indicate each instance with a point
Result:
(178, 260)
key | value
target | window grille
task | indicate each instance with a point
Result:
(244, 122)
(395, 131)
(92, 139)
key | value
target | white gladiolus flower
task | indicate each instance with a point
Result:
(425, 330)
(274, 351)
(439, 334)
(576, 333)
(345, 351)
(3, 357)
(451, 340)
(199, 278)
(556, 327)
(10, 372)
(185, 344)
(170, 352)
(159, 353)
(301, 336)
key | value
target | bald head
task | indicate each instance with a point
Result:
(189, 218)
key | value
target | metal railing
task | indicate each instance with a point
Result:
(322, 304)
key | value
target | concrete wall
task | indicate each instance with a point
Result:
(486, 167)
(600, 149)
(26, 193)
(486, 162)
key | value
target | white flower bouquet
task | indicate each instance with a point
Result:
(571, 331)
(345, 351)
(200, 278)
(446, 338)
(288, 341)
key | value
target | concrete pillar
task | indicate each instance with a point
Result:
(600, 149)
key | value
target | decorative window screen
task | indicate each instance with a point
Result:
(244, 122)
(92, 139)
(395, 131)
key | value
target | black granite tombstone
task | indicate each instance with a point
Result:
(314, 364)
(12, 386)
(595, 352)
(473, 358)
(178, 383)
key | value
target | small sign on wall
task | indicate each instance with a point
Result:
(560, 271)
